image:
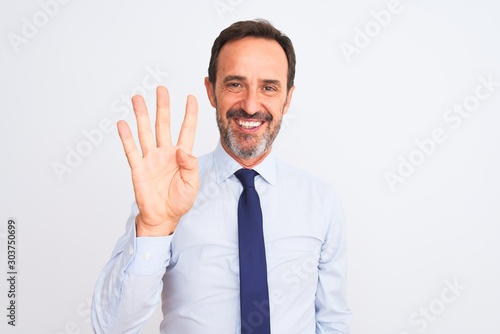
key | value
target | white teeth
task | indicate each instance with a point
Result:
(249, 124)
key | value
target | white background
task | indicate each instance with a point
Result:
(351, 120)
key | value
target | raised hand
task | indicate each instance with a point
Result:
(165, 177)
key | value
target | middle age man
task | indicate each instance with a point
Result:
(184, 237)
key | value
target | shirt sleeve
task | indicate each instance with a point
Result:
(333, 316)
(129, 287)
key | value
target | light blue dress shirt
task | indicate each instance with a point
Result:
(195, 270)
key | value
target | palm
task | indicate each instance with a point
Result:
(165, 177)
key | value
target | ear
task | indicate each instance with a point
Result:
(288, 100)
(210, 92)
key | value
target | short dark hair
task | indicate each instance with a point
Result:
(256, 28)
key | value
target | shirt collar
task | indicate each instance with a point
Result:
(225, 166)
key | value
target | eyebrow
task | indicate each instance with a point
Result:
(272, 82)
(242, 78)
(234, 77)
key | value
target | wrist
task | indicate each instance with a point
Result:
(156, 230)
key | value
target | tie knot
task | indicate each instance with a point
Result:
(246, 177)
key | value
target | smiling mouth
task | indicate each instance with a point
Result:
(248, 124)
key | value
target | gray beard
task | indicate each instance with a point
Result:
(253, 151)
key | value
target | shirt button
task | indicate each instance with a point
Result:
(131, 250)
(235, 266)
(147, 256)
(116, 292)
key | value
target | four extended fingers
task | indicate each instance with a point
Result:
(162, 126)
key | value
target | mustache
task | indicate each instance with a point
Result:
(241, 113)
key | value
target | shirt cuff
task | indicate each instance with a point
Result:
(151, 255)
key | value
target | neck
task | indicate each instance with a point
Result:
(247, 163)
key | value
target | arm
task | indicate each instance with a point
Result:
(129, 287)
(165, 180)
(332, 313)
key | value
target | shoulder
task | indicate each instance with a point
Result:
(309, 192)
(290, 176)
(205, 161)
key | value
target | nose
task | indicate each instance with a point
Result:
(250, 102)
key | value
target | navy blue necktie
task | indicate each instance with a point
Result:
(254, 295)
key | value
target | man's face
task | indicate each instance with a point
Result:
(250, 95)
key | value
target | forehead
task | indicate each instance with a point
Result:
(253, 57)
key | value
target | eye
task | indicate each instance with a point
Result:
(270, 89)
(234, 86)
